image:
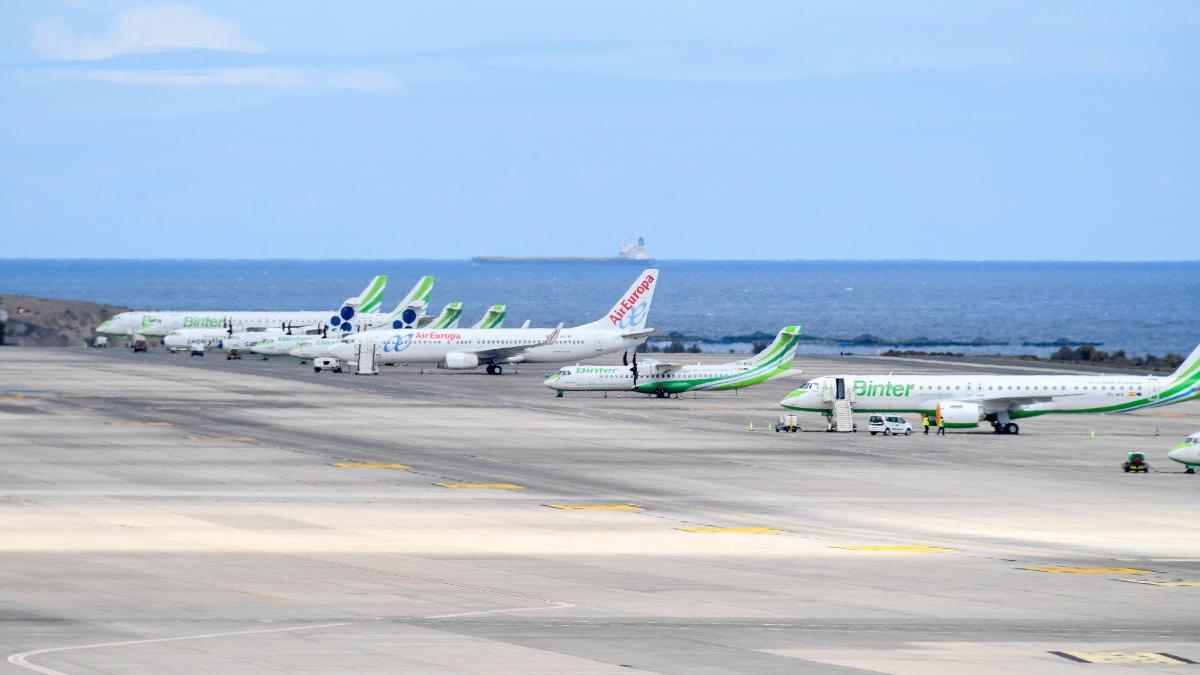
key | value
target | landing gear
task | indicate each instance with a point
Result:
(494, 369)
(1190, 469)
(1009, 428)
(659, 393)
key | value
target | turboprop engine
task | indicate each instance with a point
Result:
(959, 413)
(460, 360)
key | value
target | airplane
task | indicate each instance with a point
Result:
(409, 311)
(663, 379)
(966, 400)
(621, 329)
(448, 318)
(160, 324)
(494, 318)
(1187, 453)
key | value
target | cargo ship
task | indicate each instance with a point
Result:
(628, 253)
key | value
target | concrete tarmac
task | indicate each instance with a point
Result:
(166, 513)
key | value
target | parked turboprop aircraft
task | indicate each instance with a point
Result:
(663, 379)
(1187, 453)
(967, 400)
(621, 329)
(161, 324)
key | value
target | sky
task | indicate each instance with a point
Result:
(1050, 130)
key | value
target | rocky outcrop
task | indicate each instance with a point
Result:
(47, 322)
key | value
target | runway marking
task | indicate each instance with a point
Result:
(1123, 657)
(740, 530)
(239, 439)
(481, 486)
(140, 424)
(21, 660)
(370, 465)
(900, 548)
(1163, 582)
(1088, 570)
(596, 507)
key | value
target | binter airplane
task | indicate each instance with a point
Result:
(663, 379)
(621, 329)
(966, 400)
(161, 324)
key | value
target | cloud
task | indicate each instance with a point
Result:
(363, 80)
(142, 30)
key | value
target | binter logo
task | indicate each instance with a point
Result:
(623, 315)
(202, 322)
(865, 388)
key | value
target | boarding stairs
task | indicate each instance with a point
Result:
(364, 359)
(841, 418)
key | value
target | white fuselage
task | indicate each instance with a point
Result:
(1014, 395)
(494, 345)
(1188, 452)
(281, 344)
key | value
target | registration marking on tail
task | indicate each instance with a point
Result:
(481, 486)
(896, 548)
(1088, 570)
(738, 530)
(370, 465)
(596, 507)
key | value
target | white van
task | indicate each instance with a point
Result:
(889, 425)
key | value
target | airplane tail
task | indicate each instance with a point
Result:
(367, 301)
(632, 310)
(781, 351)
(448, 318)
(413, 305)
(493, 318)
(1189, 370)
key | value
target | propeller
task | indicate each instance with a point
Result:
(229, 326)
(289, 328)
(324, 331)
(632, 367)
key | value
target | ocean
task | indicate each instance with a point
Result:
(969, 307)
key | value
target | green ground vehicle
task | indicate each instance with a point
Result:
(1135, 462)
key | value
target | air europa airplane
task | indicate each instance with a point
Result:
(966, 401)
(622, 328)
(663, 379)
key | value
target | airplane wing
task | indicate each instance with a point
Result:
(509, 351)
(659, 366)
(1009, 402)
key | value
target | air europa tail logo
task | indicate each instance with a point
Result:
(628, 304)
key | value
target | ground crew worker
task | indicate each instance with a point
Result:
(941, 426)
(925, 423)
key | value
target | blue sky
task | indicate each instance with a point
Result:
(950, 130)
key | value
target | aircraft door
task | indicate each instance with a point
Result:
(840, 389)
(599, 342)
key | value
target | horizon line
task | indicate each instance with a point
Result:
(630, 263)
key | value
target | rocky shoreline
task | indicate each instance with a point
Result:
(48, 322)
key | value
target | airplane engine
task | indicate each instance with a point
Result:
(460, 360)
(959, 413)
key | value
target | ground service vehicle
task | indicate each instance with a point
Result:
(889, 425)
(1136, 463)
